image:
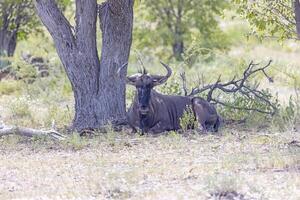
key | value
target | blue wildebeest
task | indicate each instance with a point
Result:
(155, 113)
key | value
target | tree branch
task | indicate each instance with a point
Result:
(237, 86)
(86, 17)
(56, 23)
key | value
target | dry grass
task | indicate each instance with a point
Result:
(256, 166)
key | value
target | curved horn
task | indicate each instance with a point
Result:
(162, 79)
(121, 68)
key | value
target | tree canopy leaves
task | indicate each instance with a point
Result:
(172, 21)
(269, 18)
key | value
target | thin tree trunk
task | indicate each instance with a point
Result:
(8, 42)
(178, 48)
(297, 16)
(99, 93)
(178, 45)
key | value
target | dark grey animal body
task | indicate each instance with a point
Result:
(164, 114)
(206, 114)
(155, 113)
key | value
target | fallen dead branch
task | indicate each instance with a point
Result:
(29, 132)
(235, 86)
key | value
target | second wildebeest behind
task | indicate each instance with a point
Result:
(154, 112)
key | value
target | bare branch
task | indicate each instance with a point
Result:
(183, 78)
(238, 86)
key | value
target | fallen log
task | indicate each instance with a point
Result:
(29, 132)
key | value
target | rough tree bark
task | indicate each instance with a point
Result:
(15, 17)
(8, 38)
(297, 16)
(8, 42)
(99, 93)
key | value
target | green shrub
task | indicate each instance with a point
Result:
(76, 142)
(20, 108)
(188, 120)
(58, 114)
(22, 70)
(250, 102)
(8, 87)
(288, 116)
(171, 87)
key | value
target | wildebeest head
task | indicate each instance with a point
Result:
(144, 82)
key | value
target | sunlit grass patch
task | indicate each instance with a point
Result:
(10, 87)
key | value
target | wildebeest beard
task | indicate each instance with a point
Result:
(144, 95)
(144, 123)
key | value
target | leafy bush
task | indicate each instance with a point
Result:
(188, 120)
(8, 87)
(59, 115)
(20, 112)
(23, 70)
(171, 87)
(288, 116)
(247, 105)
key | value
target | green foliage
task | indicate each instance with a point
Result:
(247, 105)
(58, 115)
(188, 119)
(269, 18)
(171, 87)
(76, 142)
(288, 116)
(17, 20)
(23, 70)
(19, 16)
(164, 23)
(9, 87)
(20, 108)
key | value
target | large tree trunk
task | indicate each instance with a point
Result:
(99, 93)
(297, 16)
(116, 22)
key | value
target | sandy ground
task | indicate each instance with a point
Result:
(246, 165)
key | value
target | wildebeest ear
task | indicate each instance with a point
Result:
(131, 80)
